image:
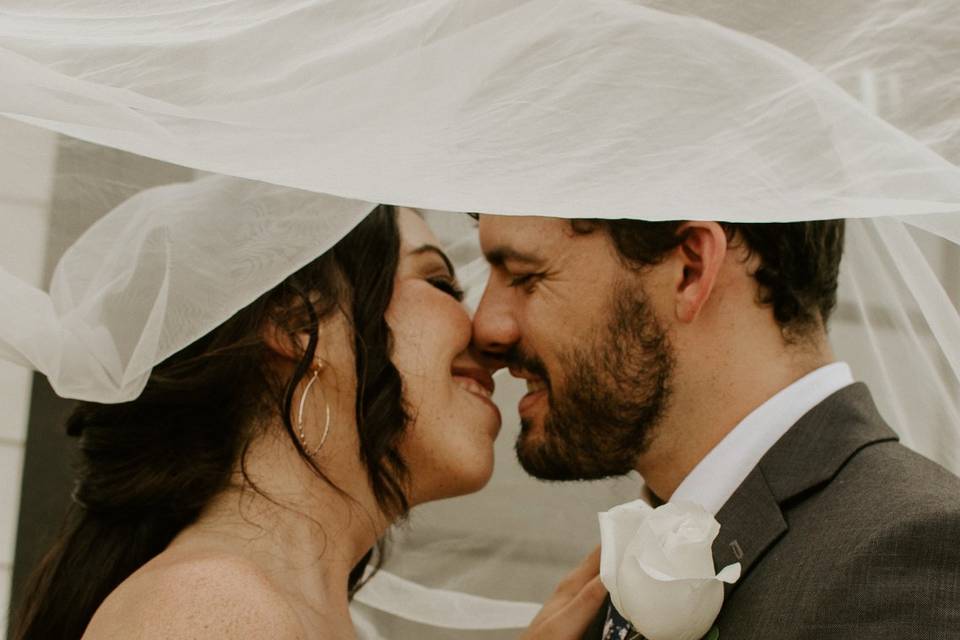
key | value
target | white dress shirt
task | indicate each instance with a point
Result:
(717, 476)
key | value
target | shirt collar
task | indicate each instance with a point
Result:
(717, 476)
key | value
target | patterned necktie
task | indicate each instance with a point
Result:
(617, 627)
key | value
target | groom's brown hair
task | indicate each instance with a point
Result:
(797, 274)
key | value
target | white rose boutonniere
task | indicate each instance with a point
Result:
(657, 565)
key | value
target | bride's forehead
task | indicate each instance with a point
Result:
(414, 231)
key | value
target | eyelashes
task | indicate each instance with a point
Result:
(448, 286)
(525, 280)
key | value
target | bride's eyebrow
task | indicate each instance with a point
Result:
(429, 248)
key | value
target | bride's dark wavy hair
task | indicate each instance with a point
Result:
(148, 467)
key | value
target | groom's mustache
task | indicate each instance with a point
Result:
(516, 359)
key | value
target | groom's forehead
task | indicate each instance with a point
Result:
(521, 239)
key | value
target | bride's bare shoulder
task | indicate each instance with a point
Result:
(207, 596)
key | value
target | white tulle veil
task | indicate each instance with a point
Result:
(184, 156)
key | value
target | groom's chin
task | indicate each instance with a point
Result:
(534, 455)
(545, 458)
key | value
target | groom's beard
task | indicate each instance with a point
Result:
(615, 391)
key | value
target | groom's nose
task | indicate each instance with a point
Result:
(495, 327)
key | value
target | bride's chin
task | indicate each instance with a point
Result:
(480, 479)
(467, 479)
(475, 476)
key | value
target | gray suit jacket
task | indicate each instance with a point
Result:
(842, 532)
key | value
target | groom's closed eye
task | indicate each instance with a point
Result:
(521, 269)
(525, 280)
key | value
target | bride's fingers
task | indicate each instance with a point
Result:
(575, 596)
(570, 619)
(586, 571)
(583, 606)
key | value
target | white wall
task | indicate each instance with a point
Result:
(25, 192)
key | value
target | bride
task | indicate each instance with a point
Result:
(244, 493)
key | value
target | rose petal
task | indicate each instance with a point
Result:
(672, 610)
(685, 562)
(659, 554)
(618, 526)
(730, 573)
(693, 560)
(699, 517)
(658, 566)
(669, 518)
(647, 550)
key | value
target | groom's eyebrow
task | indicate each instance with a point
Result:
(499, 256)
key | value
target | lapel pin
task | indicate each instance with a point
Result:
(737, 551)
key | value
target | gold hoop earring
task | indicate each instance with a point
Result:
(326, 426)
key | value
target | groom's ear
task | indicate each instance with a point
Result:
(701, 254)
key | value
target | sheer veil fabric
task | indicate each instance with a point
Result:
(281, 122)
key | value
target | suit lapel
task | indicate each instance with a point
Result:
(806, 458)
(814, 450)
(750, 522)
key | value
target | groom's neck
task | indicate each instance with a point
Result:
(712, 394)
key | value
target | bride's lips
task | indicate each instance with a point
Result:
(477, 382)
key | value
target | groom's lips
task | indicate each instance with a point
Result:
(528, 401)
(533, 396)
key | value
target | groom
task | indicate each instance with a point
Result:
(697, 354)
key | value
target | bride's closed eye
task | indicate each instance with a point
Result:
(435, 267)
(448, 285)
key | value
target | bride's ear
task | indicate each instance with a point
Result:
(282, 343)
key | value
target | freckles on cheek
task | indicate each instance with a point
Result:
(406, 316)
(401, 314)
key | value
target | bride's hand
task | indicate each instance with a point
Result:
(568, 612)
